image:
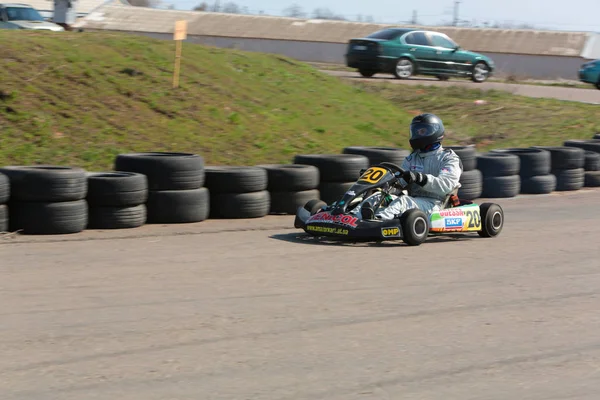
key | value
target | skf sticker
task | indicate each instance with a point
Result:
(390, 232)
(453, 222)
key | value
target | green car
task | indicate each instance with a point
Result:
(590, 73)
(409, 52)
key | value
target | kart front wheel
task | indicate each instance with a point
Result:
(313, 206)
(415, 227)
(492, 220)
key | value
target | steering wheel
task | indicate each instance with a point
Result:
(398, 172)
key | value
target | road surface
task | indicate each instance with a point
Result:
(255, 310)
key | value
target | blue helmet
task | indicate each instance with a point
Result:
(425, 130)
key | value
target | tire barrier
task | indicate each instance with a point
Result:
(337, 172)
(591, 145)
(567, 165)
(377, 155)
(596, 136)
(500, 173)
(291, 186)
(592, 161)
(471, 179)
(592, 179)
(175, 186)
(536, 165)
(47, 199)
(238, 192)
(4, 196)
(116, 200)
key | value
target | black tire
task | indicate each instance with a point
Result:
(240, 205)
(46, 183)
(534, 162)
(288, 202)
(443, 77)
(116, 189)
(592, 161)
(165, 171)
(539, 184)
(501, 186)
(477, 79)
(498, 164)
(569, 179)
(467, 155)
(471, 185)
(3, 218)
(592, 179)
(335, 167)
(313, 206)
(291, 177)
(596, 136)
(408, 63)
(4, 189)
(564, 157)
(229, 179)
(178, 206)
(333, 191)
(492, 220)
(117, 217)
(591, 145)
(415, 227)
(377, 155)
(43, 218)
(367, 73)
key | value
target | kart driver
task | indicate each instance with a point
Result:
(431, 173)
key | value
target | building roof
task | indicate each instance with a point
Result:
(128, 18)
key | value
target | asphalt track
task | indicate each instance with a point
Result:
(253, 309)
(591, 95)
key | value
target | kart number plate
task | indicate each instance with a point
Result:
(373, 175)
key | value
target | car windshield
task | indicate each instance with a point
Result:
(23, 14)
(386, 34)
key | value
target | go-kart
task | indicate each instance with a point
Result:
(317, 218)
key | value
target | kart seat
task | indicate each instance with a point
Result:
(451, 199)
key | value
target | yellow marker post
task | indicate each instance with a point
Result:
(179, 35)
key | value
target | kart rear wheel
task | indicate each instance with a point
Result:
(492, 220)
(415, 227)
(313, 206)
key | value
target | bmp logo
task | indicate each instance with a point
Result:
(453, 222)
(390, 232)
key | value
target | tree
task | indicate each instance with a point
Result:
(145, 3)
(326, 13)
(201, 7)
(231, 8)
(294, 11)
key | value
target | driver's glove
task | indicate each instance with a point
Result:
(415, 177)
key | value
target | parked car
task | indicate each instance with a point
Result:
(23, 16)
(590, 73)
(409, 52)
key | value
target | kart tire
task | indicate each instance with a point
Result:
(591, 145)
(229, 179)
(164, 170)
(471, 185)
(314, 206)
(592, 161)
(177, 206)
(415, 227)
(240, 205)
(501, 186)
(335, 167)
(467, 155)
(492, 220)
(565, 157)
(46, 183)
(333, 191)
(45, 218)
(592, 179)
(291, 177)
(569, 179)
(539, 184)
(3, 218)
(534, 162)
(116, 189)
(4, 189)
(289, 202)
(377, 155)
(498, 164)
(117, 217)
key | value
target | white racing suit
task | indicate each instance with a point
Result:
(443, 169)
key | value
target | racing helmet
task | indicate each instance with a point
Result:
(426, 130)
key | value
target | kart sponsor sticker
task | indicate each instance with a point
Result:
(453, 222)
(452, 213)
(326, 217)
(390, 232)
(326, 229)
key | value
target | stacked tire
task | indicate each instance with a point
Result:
(567, 165)
(4, 196)
(500, 174)
(377, 155)
(116, 200)
(291, 186)
(536, 165)
(471, 179)
(176, 192)
(592, 159)
(47, 199)
(337, 172)
(238, 192)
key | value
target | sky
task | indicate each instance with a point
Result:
(579, 15)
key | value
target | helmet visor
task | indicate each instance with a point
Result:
(423, 130)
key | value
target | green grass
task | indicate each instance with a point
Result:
(82, 98)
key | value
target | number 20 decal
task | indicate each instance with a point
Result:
(373, 175)
(473, 219)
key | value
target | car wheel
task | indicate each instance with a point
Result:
(443, 77)
(367, 73)
(492, 220)
(404, 68)
(415, 227)
(480, 72)
(598, 84)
